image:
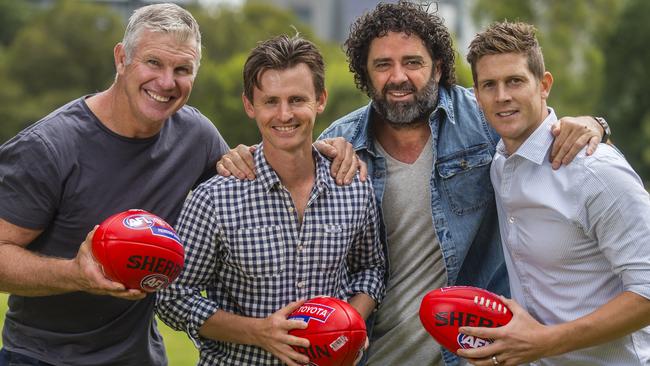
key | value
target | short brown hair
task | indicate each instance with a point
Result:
(280, 53)
(506, 37)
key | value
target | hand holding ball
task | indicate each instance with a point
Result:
(336, 331)
(139, 250)
(444, 310)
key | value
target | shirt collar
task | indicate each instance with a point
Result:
(536, 146)
(446, 104)
(268, 178)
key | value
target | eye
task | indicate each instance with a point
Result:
(414, 64)
(184, 70)
(153, 62)
(296, 100)
(487, 85)
(515, 81)
(382, 66)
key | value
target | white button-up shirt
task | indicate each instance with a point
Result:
(574, 238)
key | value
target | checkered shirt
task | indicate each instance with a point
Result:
(245, 248)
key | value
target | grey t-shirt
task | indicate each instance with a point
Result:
(67, 173)
(416, 265)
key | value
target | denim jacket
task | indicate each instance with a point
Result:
(462, 198)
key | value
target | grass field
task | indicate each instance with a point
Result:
(180, 350)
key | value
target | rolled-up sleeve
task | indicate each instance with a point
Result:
(366, 260)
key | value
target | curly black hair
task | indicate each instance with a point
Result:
(402, 17)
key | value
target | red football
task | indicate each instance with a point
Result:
(139, 250)
(444, 310)
(336, 331)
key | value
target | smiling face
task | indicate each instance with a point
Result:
(404, 78)
(158, 79)
(511, 97)
(285, 108)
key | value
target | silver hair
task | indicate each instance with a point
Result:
(164, 18)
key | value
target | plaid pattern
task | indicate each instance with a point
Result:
(245, 248)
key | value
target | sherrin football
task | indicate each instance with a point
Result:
(444, 310)
(336, 331)
(139, 250)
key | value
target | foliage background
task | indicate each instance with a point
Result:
(596, 49)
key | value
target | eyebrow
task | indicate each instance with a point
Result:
(405, 58)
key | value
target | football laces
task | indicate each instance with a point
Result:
(496, 306)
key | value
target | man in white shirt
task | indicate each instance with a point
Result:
(575, 240)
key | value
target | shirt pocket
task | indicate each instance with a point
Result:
(258, 252)
(466, 179)
(331, 245)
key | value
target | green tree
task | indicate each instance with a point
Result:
(13, 15)
(627, 91)
(59, 54)
(571, 34)
(228, 30)
(68, 46)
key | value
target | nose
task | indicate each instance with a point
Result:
(285, 114)
(398, 74)
(502, 94)
(166, 79)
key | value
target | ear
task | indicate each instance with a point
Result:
(545, 84)
(437, 71)
(321, 102)
(248, 106)
(120, 58)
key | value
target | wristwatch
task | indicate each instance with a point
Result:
(603, 123)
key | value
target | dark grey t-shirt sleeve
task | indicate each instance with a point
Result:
(28, 172)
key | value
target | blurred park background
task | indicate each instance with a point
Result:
(52, 51)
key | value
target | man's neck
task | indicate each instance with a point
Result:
(402, 143)
(112, 109)
(512, 145)
(297, 172)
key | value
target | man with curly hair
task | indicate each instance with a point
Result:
(428, 151)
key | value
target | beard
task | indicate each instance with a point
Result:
(406, 114)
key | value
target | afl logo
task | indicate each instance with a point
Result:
(467, 341)
(138, 222)
(154, 282)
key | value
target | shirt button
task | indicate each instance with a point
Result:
(300, 284)
(290, 209)
(300, 248)
(511, 220)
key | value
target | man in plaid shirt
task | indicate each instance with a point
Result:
(260, 248)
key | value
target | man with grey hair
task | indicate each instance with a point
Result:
(133, 145)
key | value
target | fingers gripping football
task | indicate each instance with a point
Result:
(522, 340)
(91, 278)
(273, 336)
